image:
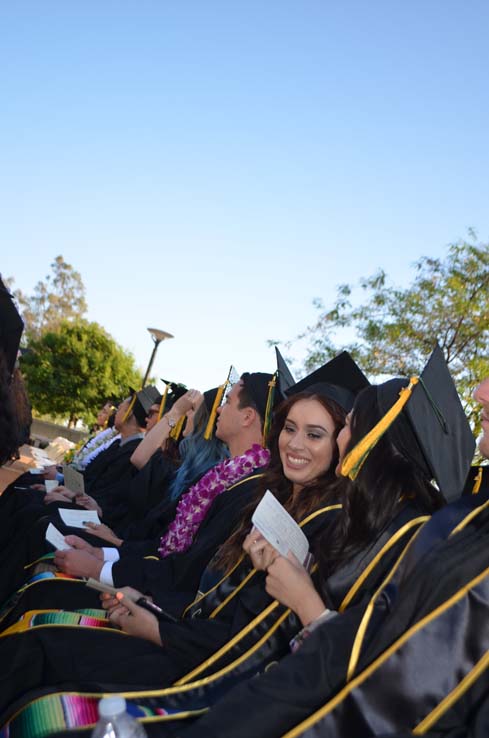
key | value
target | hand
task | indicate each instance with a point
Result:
(135, 621)
(261, 553)
(289, 583)
(66, 492)
(190, 400)
(110, 603)
(103, 531)
(88, 503)
(81, 545)
(78, 563)
(49, 472)
(55, 496)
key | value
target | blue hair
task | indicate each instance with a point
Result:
(197, 454)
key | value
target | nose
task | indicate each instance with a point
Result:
(296, 441)
(218, 410)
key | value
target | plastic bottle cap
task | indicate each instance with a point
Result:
(110, 706)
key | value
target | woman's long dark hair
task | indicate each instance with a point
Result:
(273, 479)
(384, 482)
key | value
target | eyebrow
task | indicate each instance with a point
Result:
(308, 426)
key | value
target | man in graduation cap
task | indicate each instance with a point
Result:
(113, 464)
(188, 545)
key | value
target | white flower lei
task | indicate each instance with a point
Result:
(92, 449)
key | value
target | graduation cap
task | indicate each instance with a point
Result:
(218, 399)
(426, 423)
(340, 379)
(262, 388)
(11, 327)
(172, 392)
(140, 404)
(210, 397)
(285, 378)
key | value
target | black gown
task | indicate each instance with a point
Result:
(172, 580)
(189, 642)
(413, 680)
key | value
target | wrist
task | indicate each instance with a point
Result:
(310, 608)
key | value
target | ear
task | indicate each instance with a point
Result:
(249, 416)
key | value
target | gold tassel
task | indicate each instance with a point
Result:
(477, 481)
(130, 408)
(177, 429)
(353, 461)
(268, 410)
(163, 403)
(209, 429)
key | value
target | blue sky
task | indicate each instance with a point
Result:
(211, 167)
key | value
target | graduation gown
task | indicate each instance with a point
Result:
(434, 567)
(177, 573)
(192, 635)
(111, 465)
(106, 659)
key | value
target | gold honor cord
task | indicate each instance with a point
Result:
(212, 417)
(235, 591)
(380, 554)
(472, 514)
(358, 642)
(354, 460)
(202, 595)
(478, 481)
(362, 628)
(227, 646)
(161, 409)
(267, 421)
(384, 656)
(453, 696)
(129, 409)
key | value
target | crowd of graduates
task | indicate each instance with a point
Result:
(197, 619)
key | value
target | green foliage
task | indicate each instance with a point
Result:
(72, 371)
(394, 330)
(61, 296)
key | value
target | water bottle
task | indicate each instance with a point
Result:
(115, 722)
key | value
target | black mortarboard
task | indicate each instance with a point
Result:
(210, 397)
(285, 378)
(140, 404)
(340, 379)
(152, 395)
(11, 327)
(176, 390)
(425, 421)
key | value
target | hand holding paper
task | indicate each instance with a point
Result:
(56, 538)
(279, 528)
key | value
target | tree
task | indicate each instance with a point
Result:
(61, 296)
(396, 329)
(72, 371)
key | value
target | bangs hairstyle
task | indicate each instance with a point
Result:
(320, 489)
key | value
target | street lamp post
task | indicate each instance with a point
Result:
(157, 336)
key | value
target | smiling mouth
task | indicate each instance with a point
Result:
(295, 461)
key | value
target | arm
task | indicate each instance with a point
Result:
(156, 437)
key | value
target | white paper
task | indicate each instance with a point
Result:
(77, 518)
(51, 484)
(73, 480)
(279, 528)
(56, 538)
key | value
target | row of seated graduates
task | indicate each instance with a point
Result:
(336, 632)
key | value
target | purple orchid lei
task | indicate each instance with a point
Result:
(194, 504)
